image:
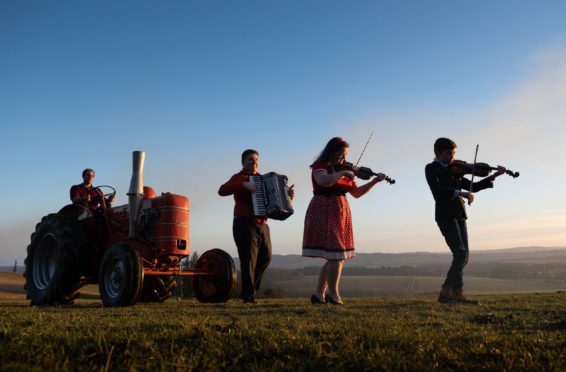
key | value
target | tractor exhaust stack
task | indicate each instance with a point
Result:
(135, 194)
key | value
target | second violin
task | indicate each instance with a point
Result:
(459, 168)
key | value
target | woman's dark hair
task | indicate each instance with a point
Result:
(442, 144)
(247, 152)
(332, 147)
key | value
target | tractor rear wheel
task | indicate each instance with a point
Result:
(56, 259)
(121, 276)
(157, 288)
(217, 286)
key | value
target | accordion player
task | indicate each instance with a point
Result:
(271, 198)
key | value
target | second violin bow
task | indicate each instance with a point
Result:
(473, 171)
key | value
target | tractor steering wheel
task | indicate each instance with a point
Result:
(109, 194)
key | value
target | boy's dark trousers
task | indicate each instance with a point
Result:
(455, 233)
(254, 249)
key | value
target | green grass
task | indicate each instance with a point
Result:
(521, 331)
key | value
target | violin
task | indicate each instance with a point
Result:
(459, 167)
(364, 173)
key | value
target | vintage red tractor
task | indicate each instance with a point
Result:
(132, 251)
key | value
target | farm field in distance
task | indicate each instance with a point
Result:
(366, 286)
(11, 286)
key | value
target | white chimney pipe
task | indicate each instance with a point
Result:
(135, 193)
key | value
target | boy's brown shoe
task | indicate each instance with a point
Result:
(459, 298)
(445, 295)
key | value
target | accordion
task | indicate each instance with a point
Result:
(271, 198)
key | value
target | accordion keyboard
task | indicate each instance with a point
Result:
(271, 198)
(259, 197)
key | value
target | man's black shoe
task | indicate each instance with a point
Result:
(445, 295)
(249, 300)
(459, 298)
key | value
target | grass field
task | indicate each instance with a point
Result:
(367, 286)
(511, 332)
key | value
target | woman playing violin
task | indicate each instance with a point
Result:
(449, 187)
(328, 221)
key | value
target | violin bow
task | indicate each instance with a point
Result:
(473, 171)
(360, 158)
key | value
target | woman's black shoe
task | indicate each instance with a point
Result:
(332, 301)
(317, 301)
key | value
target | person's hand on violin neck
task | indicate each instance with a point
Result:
(380, 177)
(500, 170)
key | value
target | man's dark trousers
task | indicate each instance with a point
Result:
(254, 249)
(455, 233)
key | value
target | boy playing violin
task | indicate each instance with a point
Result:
(448, 189)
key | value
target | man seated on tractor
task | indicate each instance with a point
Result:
(87, 195)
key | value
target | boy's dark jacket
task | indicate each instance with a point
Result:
(442, 184)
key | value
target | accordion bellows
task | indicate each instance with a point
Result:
(271, 198)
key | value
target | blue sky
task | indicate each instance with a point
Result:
(193, 83)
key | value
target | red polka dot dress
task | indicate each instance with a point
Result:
(328, 222)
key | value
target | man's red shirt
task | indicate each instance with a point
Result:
(82, 191)
(243, 207)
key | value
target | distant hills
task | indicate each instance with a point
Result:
(520, 255)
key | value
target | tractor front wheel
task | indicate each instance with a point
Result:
(121, 276)
(216, 286)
